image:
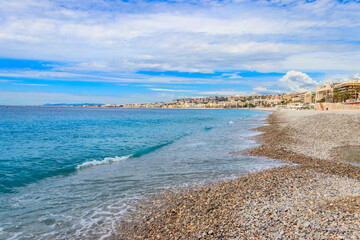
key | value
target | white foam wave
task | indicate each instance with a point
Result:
(231, 122)
(106, 160)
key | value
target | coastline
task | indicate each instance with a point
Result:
(309, 198)
(170, 150)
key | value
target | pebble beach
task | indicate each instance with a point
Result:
(316, 195)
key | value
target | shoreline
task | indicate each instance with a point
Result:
(266, 109)
(306, 200)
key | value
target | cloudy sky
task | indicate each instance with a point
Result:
(112, 51)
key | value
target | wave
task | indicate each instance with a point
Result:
(106, 160)
(152, 149)
(109, 160)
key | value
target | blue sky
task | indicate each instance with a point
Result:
(109, 51)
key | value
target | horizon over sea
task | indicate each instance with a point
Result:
(73, 173)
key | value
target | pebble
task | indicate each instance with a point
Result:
(314, 197)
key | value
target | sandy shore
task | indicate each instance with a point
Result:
(318, 197)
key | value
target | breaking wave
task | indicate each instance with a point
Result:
(106, 160)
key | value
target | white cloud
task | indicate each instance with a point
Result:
(39, 98)
(203, 37)
(104, 77)
(170, 90)
(38, 74)
(263, 90)
(298, 81)
(110, 41)
(225, 92)
(232, 75)
(356, 76)
(31, 84)
(331, 78)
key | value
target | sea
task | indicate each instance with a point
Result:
(74, 173)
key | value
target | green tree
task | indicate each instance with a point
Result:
(345, 96)
(336, 95)
(357, 92)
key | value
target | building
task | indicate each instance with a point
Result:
(324, 94)
(287, 97)
(307, 97)
(296, 98)
(273, 101)
(352, 87)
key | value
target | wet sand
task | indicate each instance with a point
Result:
(316, 196)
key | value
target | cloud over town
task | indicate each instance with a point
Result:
(105, 41)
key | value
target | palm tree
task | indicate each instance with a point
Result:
(345, 96)
(357, 92)
(336, 95)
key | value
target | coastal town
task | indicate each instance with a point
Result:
(180, 120)
(336, 96)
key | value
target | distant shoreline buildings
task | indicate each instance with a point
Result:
(338, 92)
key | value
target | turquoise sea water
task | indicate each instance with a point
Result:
(71, 173)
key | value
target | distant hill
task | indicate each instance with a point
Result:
(71, 104)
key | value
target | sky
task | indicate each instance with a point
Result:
(118, 52)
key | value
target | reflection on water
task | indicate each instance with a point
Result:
(350, 154)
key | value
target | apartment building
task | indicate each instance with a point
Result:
(352, 87)
(324, 93)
